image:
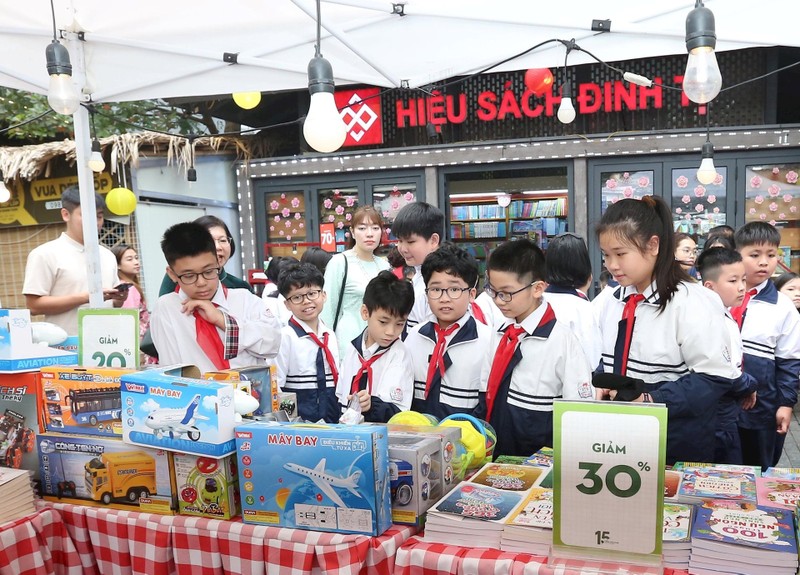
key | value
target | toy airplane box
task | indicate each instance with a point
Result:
(173, 409)
(452, 453)
(329, 478)
(83, 400)
(106, 472)
(415, 472)
(207, 487)
(19, 420)
(17, 350)
(262, 381)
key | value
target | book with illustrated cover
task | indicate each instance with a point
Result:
(782, 472)
(676, 536)
(754, 469)
(542, 458)
(508, 476)
(672, 483)
(535, 511)
(716, 483)
(777, 492)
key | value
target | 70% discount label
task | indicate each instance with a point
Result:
(609, 477)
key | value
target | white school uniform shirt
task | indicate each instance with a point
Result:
(552, 366)
(392, 374)
(421, 312)
(175, 336)
(771, 330)
(297, 357)
(575, 310)
(462, 379)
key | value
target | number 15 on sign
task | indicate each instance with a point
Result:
(609, 477)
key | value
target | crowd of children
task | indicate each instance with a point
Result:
(722, 355)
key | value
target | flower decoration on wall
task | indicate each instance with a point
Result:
(274, 205)
(280, 213)
(699, 191)
(711, 199)
(791, 177)
(327, 203)
(295, 202)
(682, 181)
(349, 201)
(782, 193)
(774, 190)
(755, 182)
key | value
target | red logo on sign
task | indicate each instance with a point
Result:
(361, 113)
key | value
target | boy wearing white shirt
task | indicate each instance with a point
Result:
(376, 366)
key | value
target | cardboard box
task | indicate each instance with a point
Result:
(327, 478)
(172, 409)
(452, 470)
(207, 487)
(415, 471)
(82, 400)
(263, 384)
(106, 472)
(19, 421)
(17, 350)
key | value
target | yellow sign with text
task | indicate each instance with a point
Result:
(51, 188)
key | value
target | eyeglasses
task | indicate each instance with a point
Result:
(504, 295)
(191, 277)
(223, 241)
(312, 295)
(689, 251)
(452, 292)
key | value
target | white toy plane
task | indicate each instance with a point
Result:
(327, 482)
(175, 421)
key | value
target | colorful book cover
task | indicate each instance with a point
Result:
(535, 511)
(745, 524)
(513, 459)
(717, 483)
(542, 458)
(507, 476)
(783, 472)
(754, 469)
(776, 492)
(677, 522)
(479, 502)
(672, 483)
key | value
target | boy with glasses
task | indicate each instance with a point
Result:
(447, 352)
(307, 360)
(533, 360)
(203, 322)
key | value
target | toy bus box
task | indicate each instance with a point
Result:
(174, 409)
(20, 421)
(82, 400)
(263, 382)
(415, 472)
(331, 478)
(207, 487)
(451, 455)
(105, 472)
(18, 353)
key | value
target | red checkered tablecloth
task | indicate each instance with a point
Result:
(38, 545)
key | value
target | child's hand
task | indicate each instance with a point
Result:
(364, 400)
(782, 418)
(207, 310)
(748, 402)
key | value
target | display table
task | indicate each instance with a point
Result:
(64, 539)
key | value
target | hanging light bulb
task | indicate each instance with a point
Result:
(566, 111)
(5, 193)
(96, 162)
(707, 173)
(323, 128)
(61, 95)
(702, 80)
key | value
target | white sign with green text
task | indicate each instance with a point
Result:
(108, 337)
(608, 480)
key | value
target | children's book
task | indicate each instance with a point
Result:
(542, 458)
(672, 483)
(536, 510)
(782, 472)
(507, 476)
(716, 483)
(676, 536)
(470, 500)
(776, 492)
(754, 469)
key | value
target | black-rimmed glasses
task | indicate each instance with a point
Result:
(505, 295)
(452, 292)
(191, 277)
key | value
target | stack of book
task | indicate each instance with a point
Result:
(529, 528)
(777, 492)
(676, 538)
(729, 482)
(740, 537)
(16, 493)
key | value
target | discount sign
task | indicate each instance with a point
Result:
(608, 478)
(108, 338)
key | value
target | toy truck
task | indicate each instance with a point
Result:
(15, 439)
(124, 475)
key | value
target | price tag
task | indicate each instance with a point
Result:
(327, 237)
(609, 479)
(108, 338)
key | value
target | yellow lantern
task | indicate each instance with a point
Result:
(247, 100)
(121, 201)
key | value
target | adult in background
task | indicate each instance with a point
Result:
(348, 274)
(225, 249)
(56, 279)
(128, 270)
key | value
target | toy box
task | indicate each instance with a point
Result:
(207, 487)
(328, 478)
(287, 401)
(17, 350)
(451, 453)
(170, 410)
(415, 471)
(19, 420)
(263, 384)
(83, 400)
(105, 472)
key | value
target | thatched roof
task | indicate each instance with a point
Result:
(30, 162)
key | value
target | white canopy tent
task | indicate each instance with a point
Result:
(166, 49)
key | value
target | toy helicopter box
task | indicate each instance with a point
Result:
(105, 472)
(83, 400)
(207, 487)
(19, 420)
(415, 472)
(17, 350)
(329, 478)
(451, 453)
(174, 410)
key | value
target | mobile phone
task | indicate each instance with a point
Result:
(123, 287)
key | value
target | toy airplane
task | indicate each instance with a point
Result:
(175, 421)
(327, 482)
